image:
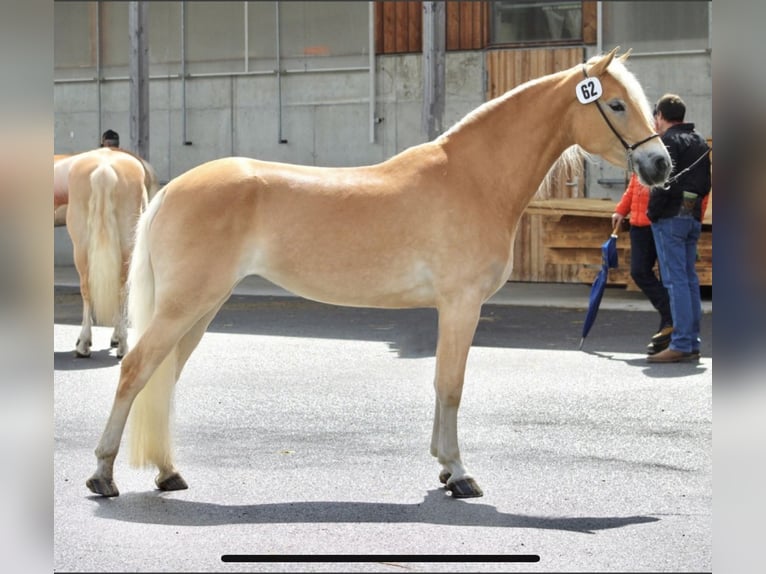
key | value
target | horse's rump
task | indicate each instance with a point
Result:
(106, 196)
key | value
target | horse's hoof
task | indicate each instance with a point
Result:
(80, 355)
(464, 488)
(173, 482)
(444, 476)
(102, 487)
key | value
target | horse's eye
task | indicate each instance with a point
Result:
(617, 106)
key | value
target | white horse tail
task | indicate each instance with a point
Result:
(104, 252)
(150, 413)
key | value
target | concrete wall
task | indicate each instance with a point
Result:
(325, 116)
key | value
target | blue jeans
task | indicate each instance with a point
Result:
(676, 240)
(643, 256)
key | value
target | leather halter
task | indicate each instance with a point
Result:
(628, 147)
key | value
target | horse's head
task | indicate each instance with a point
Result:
(614, 119)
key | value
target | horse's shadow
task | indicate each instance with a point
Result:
(68, 361)
(436, 508)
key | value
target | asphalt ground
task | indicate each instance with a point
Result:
(303, 430)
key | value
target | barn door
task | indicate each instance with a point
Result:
(507, 69)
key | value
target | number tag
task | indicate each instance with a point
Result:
(588, 90)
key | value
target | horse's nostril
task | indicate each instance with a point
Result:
(661, 165)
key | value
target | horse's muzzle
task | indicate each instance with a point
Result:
(653, 169)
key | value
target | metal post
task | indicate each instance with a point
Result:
(184, 74)
(139, 78)
(434, 46)
(280, 136)
(99, 70)
(373, 71)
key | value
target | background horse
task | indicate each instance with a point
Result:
(60, 187)
(106, 195)
(61, 165)
(431, 227)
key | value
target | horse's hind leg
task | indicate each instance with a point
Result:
(119, 340)
(169, 478)
(154, 346)
(457, 325)
(85, 340)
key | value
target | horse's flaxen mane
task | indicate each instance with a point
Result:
(572, 160)
(570, 163)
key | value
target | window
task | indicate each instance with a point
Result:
(542, 22)
(656, 26)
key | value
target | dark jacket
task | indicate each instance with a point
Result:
(685, 145)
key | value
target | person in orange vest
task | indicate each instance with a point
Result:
(643, 257)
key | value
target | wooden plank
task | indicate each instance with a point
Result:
(401, 31)
(586, 206)
(389, 27)
(589, 22)
(481, 26)
(415, 27)
(453, 25)
(466, 13)
(379, 28)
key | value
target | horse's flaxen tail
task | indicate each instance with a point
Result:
(150, 413)
(104, 252)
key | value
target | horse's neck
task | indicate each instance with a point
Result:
(511, 142)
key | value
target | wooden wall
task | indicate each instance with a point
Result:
(399, 26)
(506, 69)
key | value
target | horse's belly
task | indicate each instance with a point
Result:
(356, 287)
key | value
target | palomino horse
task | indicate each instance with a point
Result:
(431, 227)
(61, 165)
(107, 194)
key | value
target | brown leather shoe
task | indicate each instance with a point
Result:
(660, 340)
(672, 356)
(662, 335)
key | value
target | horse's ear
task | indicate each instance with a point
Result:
(600, 66)
(625, 55)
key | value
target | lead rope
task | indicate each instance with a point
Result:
(673, 179)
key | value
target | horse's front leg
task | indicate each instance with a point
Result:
(457, 325)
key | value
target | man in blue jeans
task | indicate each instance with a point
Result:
(675, 211)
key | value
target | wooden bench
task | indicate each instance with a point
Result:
(573, 231)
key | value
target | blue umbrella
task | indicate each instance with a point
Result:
(608, 261)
